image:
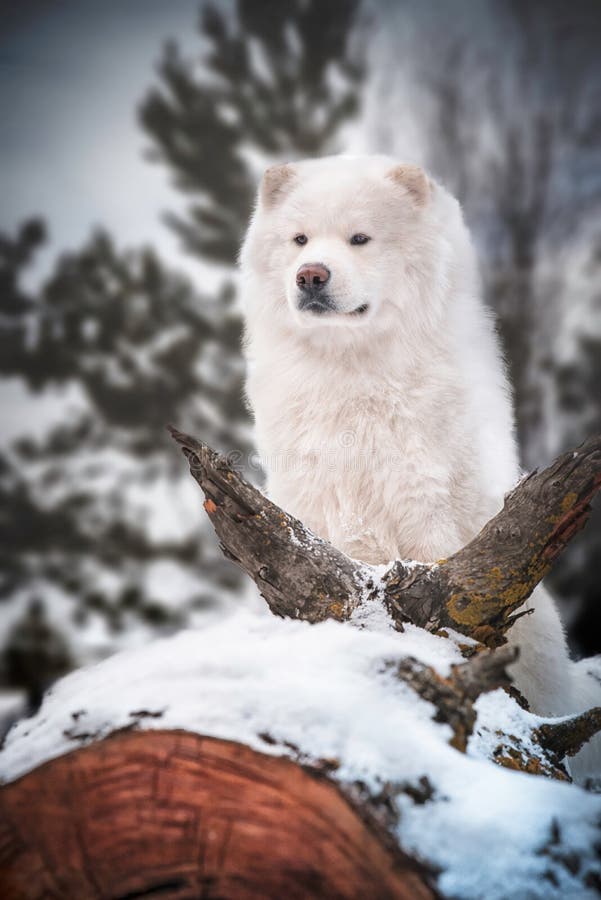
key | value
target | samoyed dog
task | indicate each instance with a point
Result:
(382, 409)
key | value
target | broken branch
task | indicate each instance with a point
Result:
(454, 695)
(477, 591)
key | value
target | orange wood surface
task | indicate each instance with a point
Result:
(168, 814)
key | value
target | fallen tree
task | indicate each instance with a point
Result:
(186, 815)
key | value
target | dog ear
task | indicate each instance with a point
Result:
(414, 180)
(275, 182)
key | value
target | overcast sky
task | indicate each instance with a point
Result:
(71, 75)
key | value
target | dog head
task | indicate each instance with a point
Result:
(349, 243)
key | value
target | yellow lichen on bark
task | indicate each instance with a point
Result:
(338, 610)
(568, 501)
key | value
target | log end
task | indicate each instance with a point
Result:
(177, 815)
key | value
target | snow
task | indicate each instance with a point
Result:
(34, 414)
(328, 691)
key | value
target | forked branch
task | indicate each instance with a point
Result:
(478, 591)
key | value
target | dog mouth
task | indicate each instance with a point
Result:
(319, 306)
(316, 302)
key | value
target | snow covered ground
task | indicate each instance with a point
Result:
(328, 691)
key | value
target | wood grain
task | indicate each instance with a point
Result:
(168, 814)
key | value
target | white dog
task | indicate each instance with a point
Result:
(382, 408)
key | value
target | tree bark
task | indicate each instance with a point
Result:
(176, 815)
(476, 592)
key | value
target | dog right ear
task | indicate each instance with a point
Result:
(414, 181)
(275, 183)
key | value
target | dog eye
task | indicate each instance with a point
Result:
(301, 239)
(360, 239)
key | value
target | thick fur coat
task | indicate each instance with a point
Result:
(382, 409)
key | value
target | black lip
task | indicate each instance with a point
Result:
(317, 308)
(317, 304)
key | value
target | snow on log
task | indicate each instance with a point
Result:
(477, 591)
(344, 747)
(88, 782)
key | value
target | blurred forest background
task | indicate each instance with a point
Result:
(109, 332)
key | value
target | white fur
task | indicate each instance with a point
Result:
(390, 433)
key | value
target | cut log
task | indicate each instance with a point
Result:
(175, 815)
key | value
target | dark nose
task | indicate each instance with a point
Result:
(312, 275)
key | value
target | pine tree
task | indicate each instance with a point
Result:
(277, 81)
(88, 556)
(77, 538)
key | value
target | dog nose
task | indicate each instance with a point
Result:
(312, 275)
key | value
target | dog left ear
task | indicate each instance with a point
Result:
(275, 183)
(415, 182)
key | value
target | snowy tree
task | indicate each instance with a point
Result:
(126, 345)
(86, 531)
(275, 81)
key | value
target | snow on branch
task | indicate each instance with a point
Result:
(476, 592)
